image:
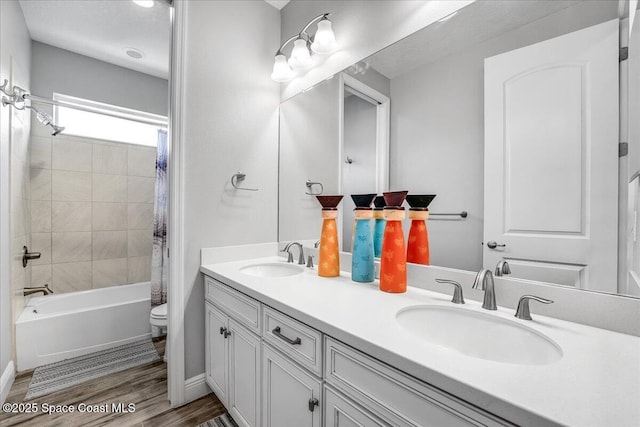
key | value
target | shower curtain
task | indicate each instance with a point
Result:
(159, 258)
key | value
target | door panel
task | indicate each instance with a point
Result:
(216, 352)
(551, 159)
(244, 375)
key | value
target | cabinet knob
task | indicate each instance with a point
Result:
(223, 330)
(313, 402)
(227, 333)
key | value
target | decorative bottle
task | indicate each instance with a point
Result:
(418, 245)
(378, 229)
(393, 262)
(362, 265)
(329, 251)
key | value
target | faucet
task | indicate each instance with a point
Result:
(522, 312)
(457, 293)
(44, 289)
(484, 281)
(502, 268)
(287, 249)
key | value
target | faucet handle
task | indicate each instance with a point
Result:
(310, 261)
(457, 293)
(522, 312)
(502, 268)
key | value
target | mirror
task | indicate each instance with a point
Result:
(436, 82)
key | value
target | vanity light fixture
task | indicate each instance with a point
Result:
(323, 42)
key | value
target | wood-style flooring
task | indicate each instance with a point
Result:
(145, 386)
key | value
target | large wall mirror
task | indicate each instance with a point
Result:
(509, 111)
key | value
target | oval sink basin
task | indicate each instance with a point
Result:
(272, 269)
(479, 335)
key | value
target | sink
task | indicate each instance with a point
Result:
(272, 269)
(479, 335)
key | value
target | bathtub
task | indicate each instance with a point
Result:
(57, 327)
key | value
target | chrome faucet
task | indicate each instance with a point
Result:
(522, 312)
(287, 249)
(484, 281)
(457, 293)
(44, 289)
(502, 268)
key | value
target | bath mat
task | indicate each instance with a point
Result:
(56, 376)
(223, 420)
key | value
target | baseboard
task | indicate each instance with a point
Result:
(6, 381)
(195, 388)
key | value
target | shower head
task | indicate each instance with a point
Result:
(56, 129)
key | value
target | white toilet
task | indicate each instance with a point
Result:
(158, 320)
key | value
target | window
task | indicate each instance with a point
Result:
(107, 122)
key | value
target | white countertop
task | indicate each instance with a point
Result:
(595, 383)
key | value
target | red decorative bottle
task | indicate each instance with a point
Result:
(418, 247)
(393, 262)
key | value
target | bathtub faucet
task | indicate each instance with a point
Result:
(44, 289)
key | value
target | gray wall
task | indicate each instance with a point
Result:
(437, 131)
(58, 70)
(231, 125)
(15, 44)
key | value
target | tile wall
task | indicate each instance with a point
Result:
(91, 211)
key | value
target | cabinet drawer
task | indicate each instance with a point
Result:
(243, 309)
(297, 340)
(394, 396)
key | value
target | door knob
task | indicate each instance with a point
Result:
(492, 244)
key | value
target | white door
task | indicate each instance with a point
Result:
(551, 159)
(244, 376)
(290, 396)
(216, 352)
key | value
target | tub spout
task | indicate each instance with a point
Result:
(44, 289)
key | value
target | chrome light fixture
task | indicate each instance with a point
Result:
(323, 42)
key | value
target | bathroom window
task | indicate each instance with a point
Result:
(130, 126)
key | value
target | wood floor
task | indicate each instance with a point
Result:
(144, 386)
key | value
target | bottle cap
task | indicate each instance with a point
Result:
(329, 202)
(394, 199)
(363, 201)
(420, 202)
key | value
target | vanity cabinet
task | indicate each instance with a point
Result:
(233, 354)
(291, 396)
(272, 370)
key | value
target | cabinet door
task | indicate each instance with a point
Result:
(340, 411)
(216, 352)
(290, 395)
(244, 375)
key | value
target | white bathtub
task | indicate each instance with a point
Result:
(57, 327)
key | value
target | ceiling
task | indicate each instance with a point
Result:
(278, 4)
(479, 21)
(104, 30)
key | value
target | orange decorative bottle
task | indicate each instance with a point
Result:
(329, 251)
(418, 245)
(393, 262)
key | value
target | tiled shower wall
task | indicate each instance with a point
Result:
(91, 212)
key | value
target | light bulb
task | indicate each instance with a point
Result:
(300, 55)
(324, 42)
(281, 70)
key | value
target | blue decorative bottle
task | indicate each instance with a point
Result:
(362, 265)
(378, 231)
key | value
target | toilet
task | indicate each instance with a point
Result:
(158, 320)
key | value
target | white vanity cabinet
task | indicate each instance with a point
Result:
(291, 395)
(233, 353)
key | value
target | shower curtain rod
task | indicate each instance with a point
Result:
(40, 100)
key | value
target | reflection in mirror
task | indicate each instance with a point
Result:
(543, 182)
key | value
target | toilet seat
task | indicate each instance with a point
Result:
(159, 312)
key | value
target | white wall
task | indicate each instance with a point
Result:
(437, 132)
(231, 125)
(362, 28)
(15, 47)
(58, 70)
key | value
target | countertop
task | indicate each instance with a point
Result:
(595, 383)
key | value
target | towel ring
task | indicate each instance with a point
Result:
(240, 177)
(310, 185)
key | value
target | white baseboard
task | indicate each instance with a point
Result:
(6, 381)
(195, 388)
